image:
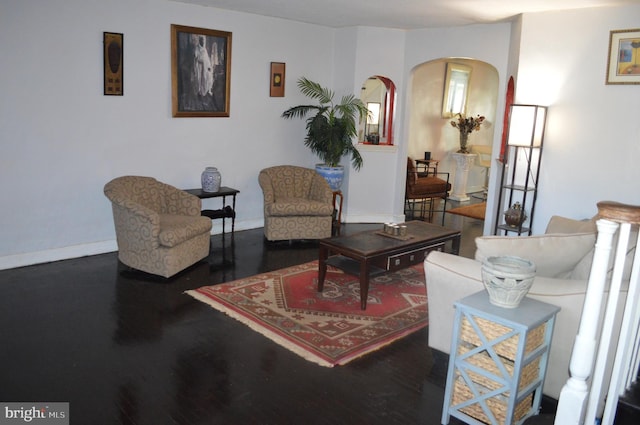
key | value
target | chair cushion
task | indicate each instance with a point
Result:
(285, 207)
(555, 255)
(175, 229)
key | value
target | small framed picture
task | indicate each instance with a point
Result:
(623, 66)
(112, 58)
(200, 72)
(277, 79)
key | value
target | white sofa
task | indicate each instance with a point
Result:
(563, 257)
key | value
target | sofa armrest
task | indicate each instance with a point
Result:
(449, 278)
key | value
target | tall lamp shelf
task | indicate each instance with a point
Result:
(519, 181)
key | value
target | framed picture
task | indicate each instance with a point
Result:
(112, 58)
(277, 79)
(200, 72)
(623, 66)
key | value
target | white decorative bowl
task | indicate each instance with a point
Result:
(507, 279)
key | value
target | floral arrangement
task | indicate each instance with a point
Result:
(466, 125)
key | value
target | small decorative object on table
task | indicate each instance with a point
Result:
(211, 179)
(515, 215)
(466, 125)
(507, 279)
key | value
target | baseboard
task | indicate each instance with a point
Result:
(95, 248)
(57, 254)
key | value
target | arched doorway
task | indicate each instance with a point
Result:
(430, 129)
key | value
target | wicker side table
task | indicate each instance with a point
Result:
(498, 360)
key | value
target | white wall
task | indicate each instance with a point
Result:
(592, 143)
(371, 193)
(62, 140)
(486, 43)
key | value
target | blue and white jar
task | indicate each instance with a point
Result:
(211, 179)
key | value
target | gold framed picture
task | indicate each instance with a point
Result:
(200, 72)
(277, 79)
(112, 63)
(623, 65)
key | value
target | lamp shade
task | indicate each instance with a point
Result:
(526, 125)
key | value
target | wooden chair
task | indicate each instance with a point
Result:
(423, 189)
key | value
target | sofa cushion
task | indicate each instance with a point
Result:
(583, 268)
(558, 224)
(175, 229)
(555, 255)
(285, 207)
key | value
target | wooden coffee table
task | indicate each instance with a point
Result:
(372, 252)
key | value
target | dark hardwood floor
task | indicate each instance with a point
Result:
(123, 347)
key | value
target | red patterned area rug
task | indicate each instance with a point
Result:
(327, 328)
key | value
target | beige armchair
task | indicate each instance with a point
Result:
(159, 228)
(298, 203)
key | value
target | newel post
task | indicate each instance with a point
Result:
(574, 394)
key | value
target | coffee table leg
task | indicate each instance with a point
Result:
(322, 266)
(364, 284)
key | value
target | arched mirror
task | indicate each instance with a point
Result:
(378, 93)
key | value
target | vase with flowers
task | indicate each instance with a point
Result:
(466, 125)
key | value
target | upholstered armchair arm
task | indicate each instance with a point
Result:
(320, 190)
(267, 189)
(179, 202)
(137, 227)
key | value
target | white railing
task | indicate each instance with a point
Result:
(598, 374)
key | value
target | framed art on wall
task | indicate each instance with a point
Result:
(112, 63)
(623, 65)
(277, 79)
(200, 72)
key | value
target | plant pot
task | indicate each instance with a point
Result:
(507, 279)
(333, 175)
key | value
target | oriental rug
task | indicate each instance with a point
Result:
(327, 328)
(474, 211)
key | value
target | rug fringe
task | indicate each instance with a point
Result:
(263, 331)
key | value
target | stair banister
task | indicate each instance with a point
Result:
(583, 395)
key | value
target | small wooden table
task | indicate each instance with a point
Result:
(227, 211)
(430, 166)
(372, 252)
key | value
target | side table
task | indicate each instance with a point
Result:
(227, 211)
(430, 166)
(498, 360)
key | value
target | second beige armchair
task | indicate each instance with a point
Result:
(298, 203)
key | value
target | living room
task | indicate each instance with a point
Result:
(63, 139)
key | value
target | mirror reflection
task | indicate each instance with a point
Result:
(456, 88)
(379, 94)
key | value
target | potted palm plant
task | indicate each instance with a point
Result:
(331, 128)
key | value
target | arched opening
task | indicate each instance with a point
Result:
(378, 93)
(431, 134)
